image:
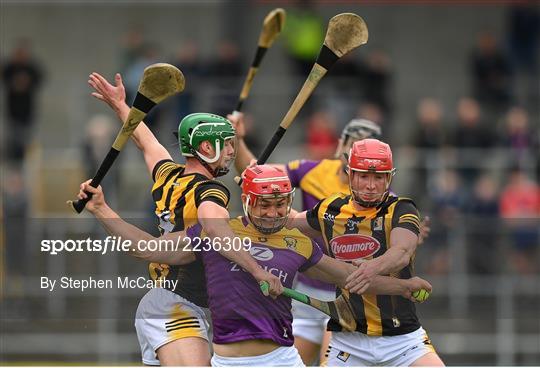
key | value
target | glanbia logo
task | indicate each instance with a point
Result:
(349, 247)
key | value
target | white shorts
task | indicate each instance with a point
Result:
(308, 322)
(284, 356)
(163, 316)
(357, 349)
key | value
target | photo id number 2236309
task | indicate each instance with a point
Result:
(216, 244)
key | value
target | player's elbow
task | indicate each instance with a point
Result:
(404, 258)
(140, 249)
(215, 227)
(212, 228)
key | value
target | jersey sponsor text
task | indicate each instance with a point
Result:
(350, 247)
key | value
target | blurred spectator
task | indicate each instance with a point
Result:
(376, 79)
(187, 60)
(225, 70)
(430, 133)
(133, 45)
(321, 136)
(147, 55)
(304, 34)
(482, 226)
(346, 82)
(492, 83)
(429, 137)
(520, 208)
(227, 62)
(524, 43)
(471, 139)
(371, 112)
(518, 136)
(100, 132)
(15, 213)
(448, 199)
(132, 77)
(22, 75)
(346, 74)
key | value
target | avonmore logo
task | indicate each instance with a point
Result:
(350, 247)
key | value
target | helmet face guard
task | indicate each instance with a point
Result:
(370, 156)
(379, 198)
(268, 198)
(224, 168)
(254, 210)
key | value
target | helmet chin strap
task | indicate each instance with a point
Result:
(263, 230)
(216, 156)
(218, 171)
(372, 204)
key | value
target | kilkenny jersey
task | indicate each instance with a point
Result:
(351, 234)
(177, 197)
(318, 180)
(239, 310)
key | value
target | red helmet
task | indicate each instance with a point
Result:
(265, 182)
(371, 156)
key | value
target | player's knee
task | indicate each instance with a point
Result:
(308, 350)
(191, 351)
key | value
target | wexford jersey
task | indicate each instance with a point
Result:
(239, 309)
(350, 234)
(177, 197)
(318, 180)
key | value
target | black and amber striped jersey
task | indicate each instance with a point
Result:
(177, 196)
(351, 234)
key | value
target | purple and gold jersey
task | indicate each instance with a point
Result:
(239, 309)
(318, 180)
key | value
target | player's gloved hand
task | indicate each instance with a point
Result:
(275, 288)
(416, 284)
(358, 281)
(98, 198)
(425, 229)
(114, 96)
(237, 120)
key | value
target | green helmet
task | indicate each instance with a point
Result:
(198, 127)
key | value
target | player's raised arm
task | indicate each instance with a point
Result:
(115, 225)
(115, 97)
